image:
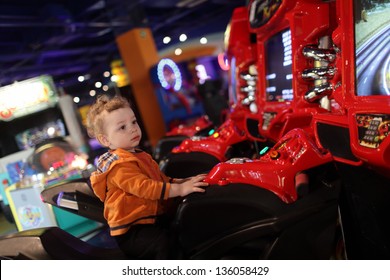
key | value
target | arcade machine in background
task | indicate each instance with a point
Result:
(346, 150)
(231, 138)
(181, 90)
(286, 72)
(32, 112)
(292, 189)
(294, 62)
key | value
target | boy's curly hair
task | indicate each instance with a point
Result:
(103, 103)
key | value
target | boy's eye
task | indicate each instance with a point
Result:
(134, 122)
(123, 127)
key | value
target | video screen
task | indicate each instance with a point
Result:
(372, 47)
(33, 136)
(278, 64)
(25, 132)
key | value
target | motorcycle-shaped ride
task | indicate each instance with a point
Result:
(233, 221)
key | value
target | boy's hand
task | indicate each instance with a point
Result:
(182, 180)
(188, 185)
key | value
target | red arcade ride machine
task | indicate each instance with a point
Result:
(286, 200)
(274, 100)
(200, 154)
(352, 134)
(357, 136)
(294, 73)
(201, 126)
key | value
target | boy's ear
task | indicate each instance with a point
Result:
(103, 140)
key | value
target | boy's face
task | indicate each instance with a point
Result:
(121, 130)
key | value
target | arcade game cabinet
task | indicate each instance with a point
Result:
(175, 92)
(181, 90)
(230, 139)
(53, 161)
(201, 126)
(357, 136)
(28, 112)
(284, 204)
(283, 33)
(33, 113)
(346, 154)
(276, 104)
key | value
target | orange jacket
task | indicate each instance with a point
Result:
(132, 188)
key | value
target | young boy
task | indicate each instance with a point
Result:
(130, 183)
